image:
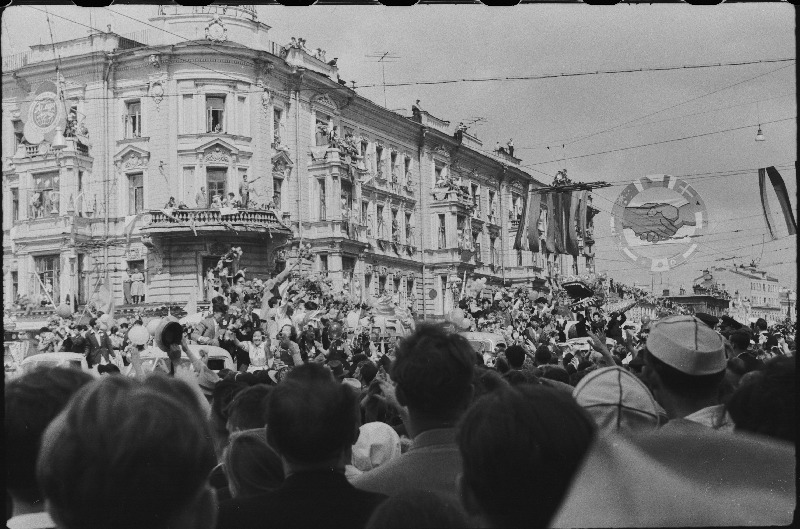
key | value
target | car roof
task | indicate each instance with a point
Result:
(53, 356)
(483, 336)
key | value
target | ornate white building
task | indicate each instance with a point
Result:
(389, 204)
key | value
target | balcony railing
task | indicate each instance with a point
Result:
(193, 220)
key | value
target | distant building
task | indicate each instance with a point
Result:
(757, 292)
(788, 300)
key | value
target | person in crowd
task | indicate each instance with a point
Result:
(46, 341)
(248, 409)
(223, 393)
(98, 344)
(708, 319)
(287, 351)
(201, 198)
(417, 509)
(728, 326)
(251, 465)
(137, 285)
(433, 374)
(312, 425)
(767, 404)
(150, 470)
(31, 403)
(257, 354)
(208, 331)
(521, 447)
(684, 367)
(617, 400)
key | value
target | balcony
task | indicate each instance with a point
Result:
(450, 256)
(453, 197)
(241, 222)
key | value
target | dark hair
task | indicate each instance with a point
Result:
(310, 372)
(543, 355)
(739, 340)
(515, 356)
(368, 371)
(486, 380)
(556, 373)
(97, 470)
(375, 409)
(247, 409)
(252, 467)
(767, 405)
(688, 386)
(433, 370)
(417, 509)
(92, 322)
(516, 377)
(311, 419)
(32, 401)
(44, 329)
(521, 447)
(109, 369)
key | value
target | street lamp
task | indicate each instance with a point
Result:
(759, 134)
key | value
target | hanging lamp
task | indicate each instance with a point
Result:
(759, 134)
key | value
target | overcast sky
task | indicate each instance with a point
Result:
(466, 42)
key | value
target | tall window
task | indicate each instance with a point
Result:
(492, 211)
(364, 147)
(244, 116)
(215, 114)
(381, 219)
(277, 195)
(133, 119)
(493, 251)
(277, 116)
(442, 231)
(364, 213)
(14, 285)
(135, 193)
(323, 264)
(216, 182)
(19, 134)
(323, 125)
(438, 172)
(393, 162)
(476, 198)
(323, 211)
(49, 271)
(519, 257)
(379, 161)
(476, 244)
(347, 197)
(407, 168)
(516, 209)
(14, 203)
(395, 227)
(44, 198)
(409, 230)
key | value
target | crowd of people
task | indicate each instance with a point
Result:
(326, 421)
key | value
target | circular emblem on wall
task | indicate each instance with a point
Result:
(656, 221)
(216, 31)
(45, 113)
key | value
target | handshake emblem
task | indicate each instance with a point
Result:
(658, 222)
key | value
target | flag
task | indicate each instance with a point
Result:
(521, 238)
(110, 305)
(570, 213)
(783, 199)
(528, 230)
(191, 306)
(582, 210)
(552, 222)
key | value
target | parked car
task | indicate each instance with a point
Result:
(74, 360)
(485, 342)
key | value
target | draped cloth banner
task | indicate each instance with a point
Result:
(571, 239)
(783, 199)
(552, 224)
(582, 210)
(528, 230)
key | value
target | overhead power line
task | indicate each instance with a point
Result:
(579, 74)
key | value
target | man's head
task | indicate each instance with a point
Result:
(32, 401)
(313, 419)
(94, 323)
(433, 372)
(149, 470)
(543, 356)
(740, 341)
(684, 359)
(521, 447)
(248, 409)
(515, 356)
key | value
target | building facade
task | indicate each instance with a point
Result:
(207, 105)
(752, 291)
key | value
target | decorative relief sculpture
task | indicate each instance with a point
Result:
(216, 30)
(217, 155)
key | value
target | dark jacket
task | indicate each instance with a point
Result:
(307, 500)
(97, 347)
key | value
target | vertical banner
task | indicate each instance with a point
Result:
(762, 187)
(552, 223)
(571, 213)
(533, 214)
(783, 198)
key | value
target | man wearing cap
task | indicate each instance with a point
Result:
(98, 343)
(684, 367)
(207, 332)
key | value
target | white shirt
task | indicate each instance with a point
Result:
(258, 354)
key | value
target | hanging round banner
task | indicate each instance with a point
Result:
(656, 221)
(45, 114)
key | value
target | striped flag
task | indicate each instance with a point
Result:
(783, 199)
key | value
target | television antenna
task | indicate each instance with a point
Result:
(383, 57)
